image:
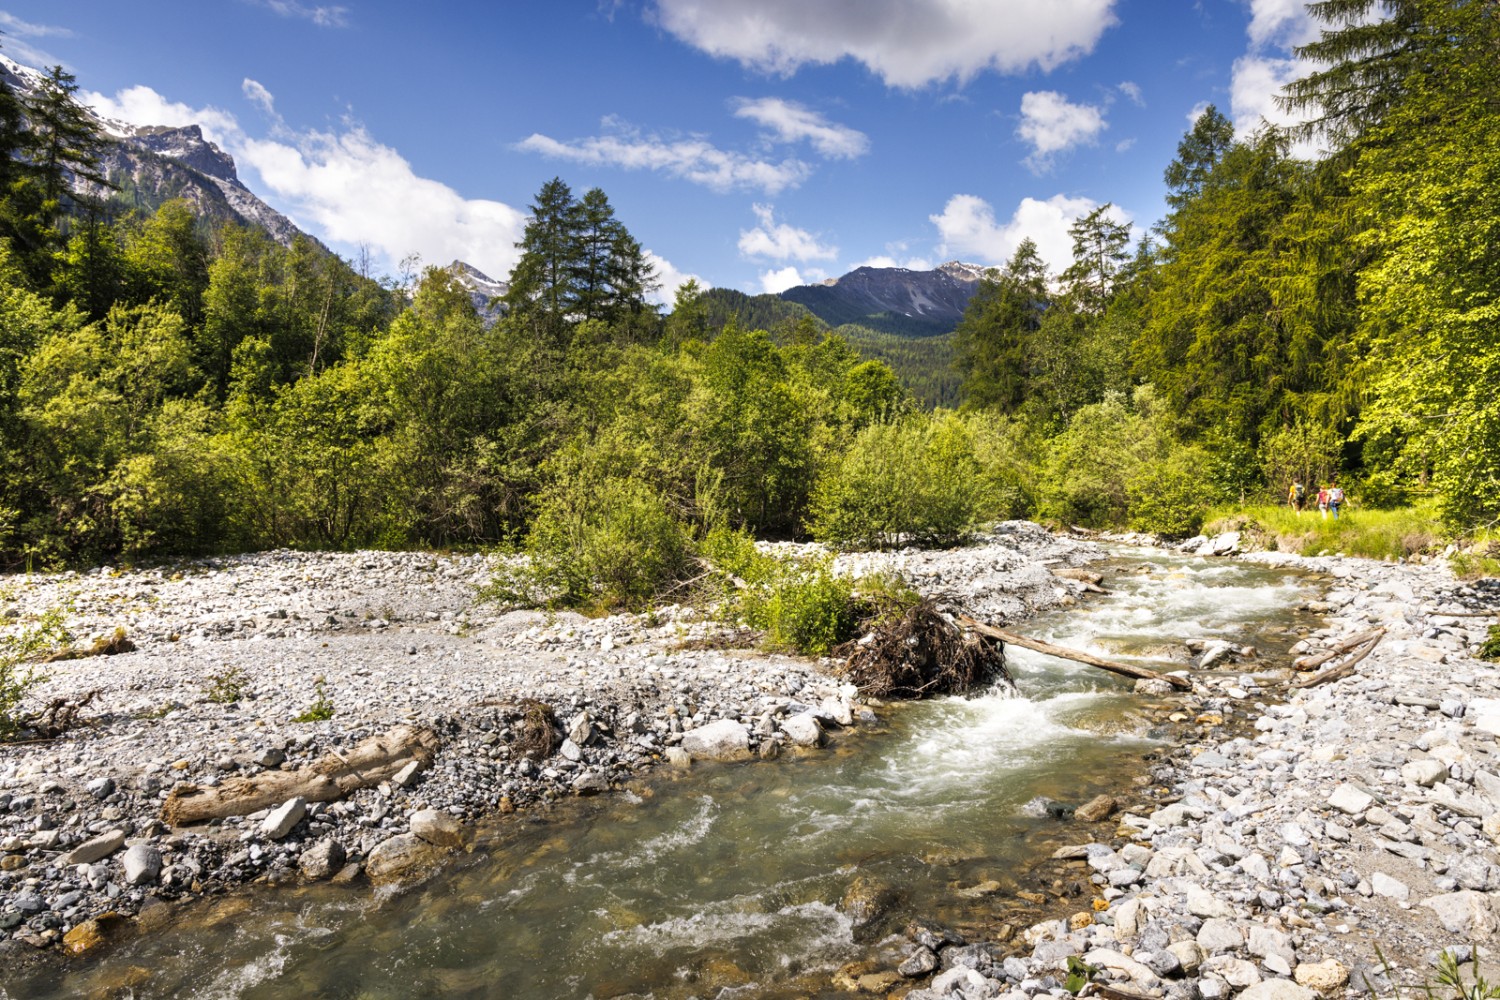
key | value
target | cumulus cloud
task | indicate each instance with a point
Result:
(1050, 124)
(143, 106)
(325, 17)
(778, 281)
(907, 43)
(693, 159)
(969, 229)
(781, 242)
(1276, 27)
(791, 122)
(1132, 91)
(327, 181)
(669, 279)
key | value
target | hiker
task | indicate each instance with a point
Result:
(1296, 497)
(1335, 498)
(1323, 501)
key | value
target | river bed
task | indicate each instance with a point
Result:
(727, 881)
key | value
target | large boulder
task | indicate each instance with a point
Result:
(402, 856)
(722, 740)
(438, 828)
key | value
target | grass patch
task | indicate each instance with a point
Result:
(1376, 534)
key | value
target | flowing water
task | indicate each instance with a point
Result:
(726, 882)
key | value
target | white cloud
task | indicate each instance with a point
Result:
(326, 17)
(669, 279)
(779, 241)
(693, 159)
(907, 43)
(776, 282)
(1280, 23)
(144, 106)
(259, 96)
(969, 230)
(327, 182)
(1124, 144)
(792, 122)
(1051, 123)
(1132, 91)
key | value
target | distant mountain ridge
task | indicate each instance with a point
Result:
(152, 164)
(894, 300)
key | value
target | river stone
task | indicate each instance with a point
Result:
(1266, 942)
(1488, 785)
(322, 860)
(803, 730)
(679, 758)
(283, 818)
(1485, 713)
(142, 864)
(438, 828)
(1117, 962)
(1097, 808)
(407, 776)
(1384, 885)
(397, 857)
(1219, 935)
(96, 849)
(959, 979)
(1324, 977)
(1188, 953)
(1127, 920)
(1277, 989)
(866, 901)
(592, 783)
(92, 933)
(1202, 903)
(918, 963)
(1350, 799)
(1466, 913)
(722, 740)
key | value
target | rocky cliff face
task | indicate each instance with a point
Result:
(151, 164)
(917, 303)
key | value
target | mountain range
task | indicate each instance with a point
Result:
(150, 164)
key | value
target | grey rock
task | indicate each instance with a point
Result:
(142, 863)
(101, 788)
(1277, 989)
(722, 740)
(281, 820)
(323, 860)
(1218, 935)
(95, 849)
(438, 828)
(1467, 913)
(803, 730)
(918, 963)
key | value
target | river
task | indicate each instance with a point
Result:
(726, 882)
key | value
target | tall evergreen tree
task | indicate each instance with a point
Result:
(992, 341)
(65, 140)
(544, 287)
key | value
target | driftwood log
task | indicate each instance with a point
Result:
(1124, 669)
(369, 762)
(1315, 660)
(1371, 639)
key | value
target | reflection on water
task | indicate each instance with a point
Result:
(731, 876)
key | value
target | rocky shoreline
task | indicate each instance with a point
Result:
(1365, 812)
(229, 652)
(1361, 815)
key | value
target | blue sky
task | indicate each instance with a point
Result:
(753, 144)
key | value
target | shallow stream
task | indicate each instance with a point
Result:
(725, 882)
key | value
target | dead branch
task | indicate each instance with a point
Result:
(1315, 660)
(922, 651)
(1124, 669)
(60, 715)
(1343, 669)
(368, 763)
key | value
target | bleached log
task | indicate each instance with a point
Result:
(368, 763)
(1078, 656)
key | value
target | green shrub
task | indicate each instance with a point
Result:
(606, 544)
(16, 679)
(321, 709)
(1306, 453)
(1171, 496)
(916, 481)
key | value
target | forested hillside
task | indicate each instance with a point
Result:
(171, 386)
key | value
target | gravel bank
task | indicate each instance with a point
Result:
(1358, 814)
(230, 651)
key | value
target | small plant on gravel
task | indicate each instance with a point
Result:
(1449, 982)
(1491, 648)
(227, 685)
(15, 677)
(321, 709)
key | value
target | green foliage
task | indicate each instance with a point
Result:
(1303, 452)
(605, 544)
(322, 708)
(16, 678)
(924, 365)
(1171, 494)
(916, 481)
(801, 605)
(1374, 534)
(228, 685)
(1490, 649)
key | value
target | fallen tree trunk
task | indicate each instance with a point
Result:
(1315, 660)
(1343, 669)
(1124, 669)
(368, 763)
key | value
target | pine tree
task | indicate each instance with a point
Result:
(992, 342)
(1199, 151)
(65, 140)
(544, 287)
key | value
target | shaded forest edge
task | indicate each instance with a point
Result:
(169, 388)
